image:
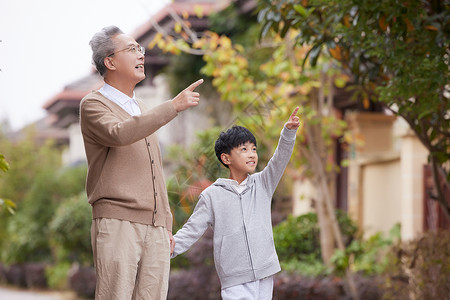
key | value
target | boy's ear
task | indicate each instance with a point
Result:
(225, 158)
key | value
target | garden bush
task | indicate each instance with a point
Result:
(420, 269)
(298, 244)
(368, 256)
(27, 232)
(27, 237)
(71, 244)
(70, 230)
(57, 276)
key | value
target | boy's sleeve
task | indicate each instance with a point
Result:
(194, 228)
(272, 173)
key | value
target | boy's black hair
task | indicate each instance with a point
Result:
(232, 138)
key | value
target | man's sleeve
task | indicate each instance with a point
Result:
(101, 125)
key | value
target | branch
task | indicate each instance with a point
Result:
(186, 28)
(441, 197)
(165, 34)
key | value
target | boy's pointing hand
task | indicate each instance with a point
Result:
(294, 121)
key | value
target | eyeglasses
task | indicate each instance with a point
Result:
(132, 49)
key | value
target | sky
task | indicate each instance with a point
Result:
(44, 45)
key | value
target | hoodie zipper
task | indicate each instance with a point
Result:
(246, 237)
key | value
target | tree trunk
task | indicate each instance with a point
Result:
(327, 240)
(328, 207)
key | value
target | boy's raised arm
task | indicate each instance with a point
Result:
(272, 173)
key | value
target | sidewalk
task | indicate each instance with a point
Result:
(7, 293)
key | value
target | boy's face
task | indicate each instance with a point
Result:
(242, 159)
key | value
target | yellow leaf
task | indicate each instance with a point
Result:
(339, 82)
(347, 21)
(198, 44)
(213, 45)
(198, 11)
(225, 42)
(366, 103)
(409, 25)
(161, 44)
(177, 27)
(155, 40)
(303, 89)
(382, 23)
(216, 73)
(239, 48)
(336, 52)
(284, 76)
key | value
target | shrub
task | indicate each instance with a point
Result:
(420, 269)
(57, 276)
(367, 255)
(27, 231)
(27, 237)
(70, 230)
(297, 238)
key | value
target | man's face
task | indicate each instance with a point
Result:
(128, 62)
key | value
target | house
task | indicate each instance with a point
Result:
(387, 181)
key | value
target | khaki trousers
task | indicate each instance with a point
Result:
(132, 260)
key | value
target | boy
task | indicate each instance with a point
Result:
(238, 210)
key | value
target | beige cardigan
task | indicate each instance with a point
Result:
(125, 177)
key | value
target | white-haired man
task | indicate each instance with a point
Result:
(131, 230)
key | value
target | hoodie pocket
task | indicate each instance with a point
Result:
(233, 256)
(262, 247)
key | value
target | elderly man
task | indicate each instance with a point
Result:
(132, 222)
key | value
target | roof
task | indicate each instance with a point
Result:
(75, 91)
(189, 7)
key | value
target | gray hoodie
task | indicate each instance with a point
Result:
(244, 250)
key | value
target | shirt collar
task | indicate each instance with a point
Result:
(115, 95)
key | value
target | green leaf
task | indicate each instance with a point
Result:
(265, 29)
(340, 82)
(301, 10)
(314, 54)
(4, 166)
(285, 29)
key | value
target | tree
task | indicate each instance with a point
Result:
(397, 52)
(27, 160)
(263, 96)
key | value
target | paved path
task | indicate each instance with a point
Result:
(13, 294)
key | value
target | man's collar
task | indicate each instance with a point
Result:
(117, 95)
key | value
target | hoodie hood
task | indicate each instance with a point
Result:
(224, 183)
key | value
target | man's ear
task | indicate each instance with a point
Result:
(109, 63)
(225, 158)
